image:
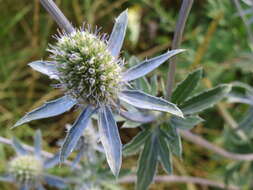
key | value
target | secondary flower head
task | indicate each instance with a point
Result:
(28, 170)
(89, 69)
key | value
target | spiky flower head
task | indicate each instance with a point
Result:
(87, 70)
(26, 169)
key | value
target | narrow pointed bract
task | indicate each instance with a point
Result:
(55, 181)
(78, 157)
(37, 144)
(45, 67)
(18, 147)
(110, 139)
(51, 162)
(76, 132)
(149, 65)
(145, 101)
(118, 34)
(49, 109)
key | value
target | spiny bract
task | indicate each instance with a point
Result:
(87, 70)
(26, 169)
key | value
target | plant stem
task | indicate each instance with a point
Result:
(57, 15)
(183, 15)
(214, 148)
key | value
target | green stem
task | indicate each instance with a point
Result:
(183, 15)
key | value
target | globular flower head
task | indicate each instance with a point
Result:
(86, 68)
(26, 169)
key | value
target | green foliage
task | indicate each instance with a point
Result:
(204, 99)
(147, 163)
(184, 89)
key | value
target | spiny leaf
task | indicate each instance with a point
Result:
(165, 155)
(145, 101)
(118, 34)
(135, 144)
(49, 109)
(110, 139)
(149, 65)
(205, 99)
(186, 87)
(185, 123)
(147, 164)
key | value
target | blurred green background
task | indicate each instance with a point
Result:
(215, 38)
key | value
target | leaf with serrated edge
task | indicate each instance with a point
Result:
(118, 34)
(135, 144)
(145, 101)
(149, 65)
(185, 123)
(147, 164)
(205, 99)
(49, 109)
(186, 87)
(110, 139)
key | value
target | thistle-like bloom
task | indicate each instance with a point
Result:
(27, 170)
(91, 74)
